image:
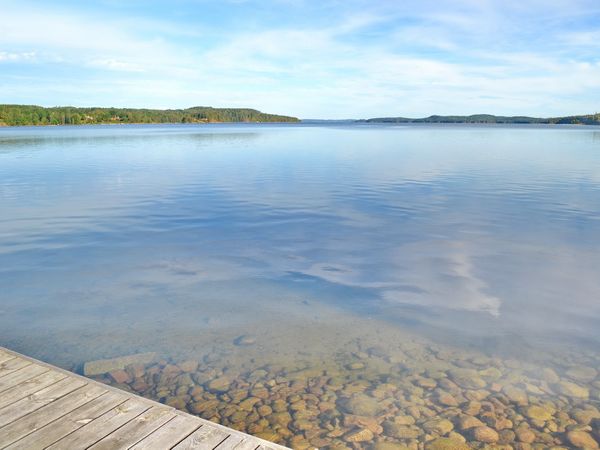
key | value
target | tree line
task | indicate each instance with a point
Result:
(590, 119)
(15, 115)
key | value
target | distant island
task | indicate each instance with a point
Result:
(590, 119)
(20, 115)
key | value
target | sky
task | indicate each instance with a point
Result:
(330, 59)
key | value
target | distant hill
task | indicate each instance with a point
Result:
(11, 115)
(590, 119)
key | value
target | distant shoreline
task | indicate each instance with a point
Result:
(33, 115)
(589, 119)
(60, 125)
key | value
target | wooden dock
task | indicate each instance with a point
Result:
(45, 407)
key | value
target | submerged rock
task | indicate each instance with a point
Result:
(446, 399)
(394, 430)
(582, 373)
(119, 376)
(468, 422)
(357, 365)
(572, 390)
(363, 422)
(102, 366)
(525, 435)
(550, 375)
(538, 413)
(189, 366)
(515, 395)
(244, 340)
(220, 384)
(362, 405)
(438, 426)
(389, 446)
(467, 378)
(485, 434)
(446, 444)
(359, 436)
(581, 439)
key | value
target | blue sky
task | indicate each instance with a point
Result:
(311, 59)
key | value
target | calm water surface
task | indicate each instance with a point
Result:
(315, 269)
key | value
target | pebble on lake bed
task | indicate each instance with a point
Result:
(244, 340)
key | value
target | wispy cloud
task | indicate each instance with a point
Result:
(17, 56)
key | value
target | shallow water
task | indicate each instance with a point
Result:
(358, 262)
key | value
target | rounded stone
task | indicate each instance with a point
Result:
(265, 410)
(362, 405)
(467, 378)
(244, 340)
(581, 439)
(446, 399)
(515, 395)
(392, 429)
(538, 413)
(468, 422)
(356, 366)
(506, 436)
(572, 390)
(525, 435)
(363, 435)
(189, 366)
(220, 384)
(404, 420)
(485, 434)
(582, 373)
(550, 375)
(446, 444)
(303, 425)
(438, 426)
(268, 436)
(248, 404)
(389, 446)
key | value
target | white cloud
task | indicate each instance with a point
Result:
(17, 56)
(113, 64)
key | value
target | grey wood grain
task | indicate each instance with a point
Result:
(101, 427)
(65, 425)
(170, 434)
(46, 414)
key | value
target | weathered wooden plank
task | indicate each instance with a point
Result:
(248, 443)
(101, 427)
(135, 430)
(11, 365)
(37, 400)
(170, 434)
(5, 357)
(205, 438)
(25, 425)
(18, 376)
(52, 432)
(29, 387)
(3, 351)
(233, 441)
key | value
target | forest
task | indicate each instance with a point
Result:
(15, 115)
(590, 119)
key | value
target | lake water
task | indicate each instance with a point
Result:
(357, 286)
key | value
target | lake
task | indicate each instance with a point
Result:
(321, 285)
